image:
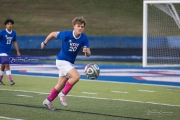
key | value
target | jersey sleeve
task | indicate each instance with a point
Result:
(86, 42)
(61, 35)
(0, 35)
(14, 38)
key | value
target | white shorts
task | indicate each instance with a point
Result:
(3, 54)
(3, 59)
(64, 67)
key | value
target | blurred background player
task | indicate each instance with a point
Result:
(7, 36)
(72, 42)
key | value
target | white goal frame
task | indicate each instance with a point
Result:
(145, 29)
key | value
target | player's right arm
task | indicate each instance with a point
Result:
(48, 38)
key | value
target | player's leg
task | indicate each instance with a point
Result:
(8, 73)
(2, 73)
(3, 58)
(54, 92)
(74, 77)
(61, 83)
(59, 86)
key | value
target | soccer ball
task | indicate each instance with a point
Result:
(92, 71)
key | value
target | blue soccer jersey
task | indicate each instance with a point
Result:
(71, 45)
(6, 39)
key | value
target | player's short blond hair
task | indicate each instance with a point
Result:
(79, 20)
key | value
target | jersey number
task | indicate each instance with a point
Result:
(73, 49)
(8, 42)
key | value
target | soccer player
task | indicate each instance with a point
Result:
(7, 37)
(72, 42)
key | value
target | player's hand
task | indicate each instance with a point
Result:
(42, 45)
(18, 54)
(85, 50)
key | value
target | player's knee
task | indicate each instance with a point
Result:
(77, 77)
(7, 67)
(2, 67)
(77, 80)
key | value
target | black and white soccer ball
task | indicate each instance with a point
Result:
(92, 71)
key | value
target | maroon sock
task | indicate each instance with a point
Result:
(1, 77)
(67, 88)
(54, 93)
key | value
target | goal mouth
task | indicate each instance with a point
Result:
(161, 33)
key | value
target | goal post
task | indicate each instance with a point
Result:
(161, 33)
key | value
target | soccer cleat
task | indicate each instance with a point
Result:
(48, 104)
(1, 82)
(62, 99)
(12, 82)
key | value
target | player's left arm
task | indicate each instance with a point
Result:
(16, 47)
(87, 51)
(86, 48)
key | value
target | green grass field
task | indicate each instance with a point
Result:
(88, 100)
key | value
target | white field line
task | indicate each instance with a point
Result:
(104, 81)
(174, 90)
(119, 92)
(100, 98)
(89, 93)
(24, 91)
(146, 91)
(8, 118)
(24, 95)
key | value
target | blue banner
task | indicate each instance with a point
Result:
(19, 59)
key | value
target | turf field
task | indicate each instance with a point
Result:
(89, 100)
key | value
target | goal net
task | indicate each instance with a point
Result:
(161, 33)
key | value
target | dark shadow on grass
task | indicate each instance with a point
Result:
(76, 111)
